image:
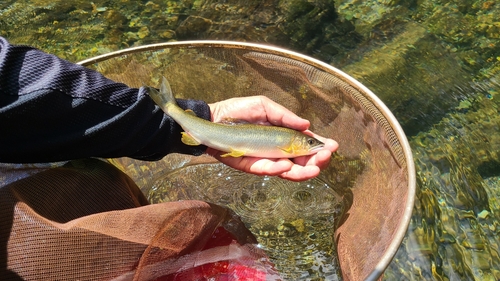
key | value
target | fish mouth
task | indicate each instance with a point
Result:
(317, 148)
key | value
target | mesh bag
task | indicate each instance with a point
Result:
(86, 220)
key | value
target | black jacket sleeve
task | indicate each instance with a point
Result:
(53, 110)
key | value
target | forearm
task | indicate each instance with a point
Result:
(52, 110)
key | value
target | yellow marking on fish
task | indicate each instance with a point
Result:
(293, 148)
(287, 149)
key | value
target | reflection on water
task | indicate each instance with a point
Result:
(435, 63)
(293, 222)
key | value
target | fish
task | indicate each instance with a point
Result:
(236, 140)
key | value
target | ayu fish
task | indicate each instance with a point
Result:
(236, 140)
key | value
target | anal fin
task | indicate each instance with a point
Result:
(234, 153)
(233, 121)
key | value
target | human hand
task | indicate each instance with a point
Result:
(262, 110)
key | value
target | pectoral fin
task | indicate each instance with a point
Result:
(189, 140)
(234, 153)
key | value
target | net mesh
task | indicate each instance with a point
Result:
(86, 220)
(339, 225)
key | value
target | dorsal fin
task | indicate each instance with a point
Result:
(233, 121)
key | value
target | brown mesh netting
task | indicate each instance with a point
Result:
(87, 220)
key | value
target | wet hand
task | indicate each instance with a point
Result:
(262, 110)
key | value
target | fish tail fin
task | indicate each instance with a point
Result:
(166, 91)
(163, 97)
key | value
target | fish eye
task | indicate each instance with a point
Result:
(311, 141)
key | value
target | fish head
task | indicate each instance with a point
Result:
(306, 145)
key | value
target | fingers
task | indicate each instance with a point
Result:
(283, 168)
(301, 173)
(247, 108)
(254, 165)
(298, 169)
(257, 109)
(270, 167)
(279, 115)
(308, 167)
